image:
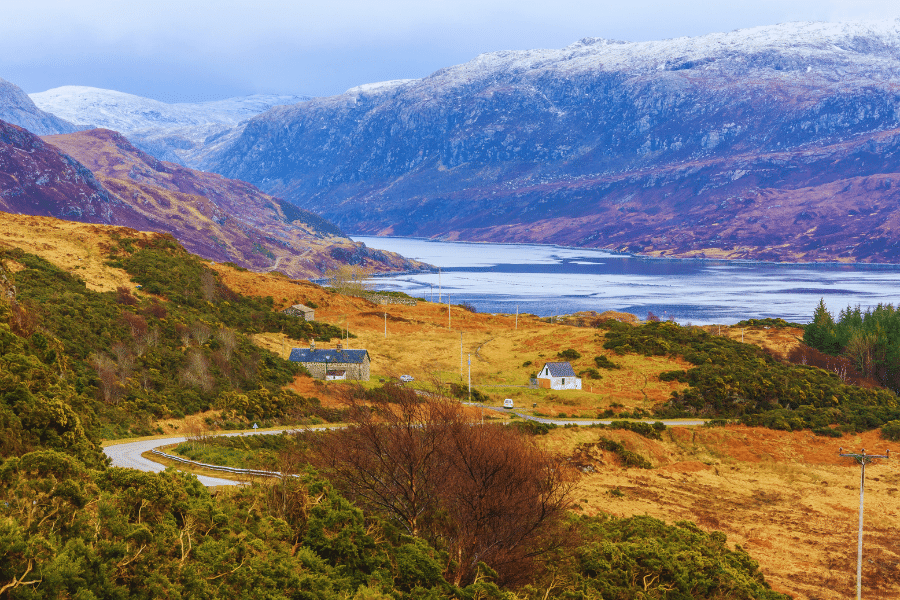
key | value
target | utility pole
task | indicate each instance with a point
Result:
(448, 312)
(460, 356)
(439, 285)
(517, 316)
(863, 459)
(470, 378)
(385, 325)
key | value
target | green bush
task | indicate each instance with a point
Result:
(891, 431)
(570, 354)
(603, 362)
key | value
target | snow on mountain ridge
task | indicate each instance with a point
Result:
(125, 112)
(859, 41)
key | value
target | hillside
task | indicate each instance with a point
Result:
(776, 143)
(218, 218)
(17, 108)
(115, 360)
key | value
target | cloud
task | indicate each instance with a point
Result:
(165, 47)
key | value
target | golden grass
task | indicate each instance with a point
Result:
(785, 497)
(79, 248)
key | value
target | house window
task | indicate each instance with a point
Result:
(564, 381)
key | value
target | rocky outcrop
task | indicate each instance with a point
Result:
(773, 142)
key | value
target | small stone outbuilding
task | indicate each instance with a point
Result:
(558, 376)
(334, 363)
(300, 310)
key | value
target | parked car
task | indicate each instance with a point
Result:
(406, 378)
(508, 403)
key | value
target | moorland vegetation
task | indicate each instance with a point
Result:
(485, 512)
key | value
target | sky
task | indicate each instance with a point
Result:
(197, 50)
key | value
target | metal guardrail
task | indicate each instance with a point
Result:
(234, 470)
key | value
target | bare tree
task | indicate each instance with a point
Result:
(349, 279)
(482, 493)
(388, 458)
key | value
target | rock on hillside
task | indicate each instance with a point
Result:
(17, 108)
(774, 142)
(217, 218)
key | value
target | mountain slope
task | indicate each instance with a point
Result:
(17, 108)
(773, 142)
(37, 179)
(167, 131)
(218, 218)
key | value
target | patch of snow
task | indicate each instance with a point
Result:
(377, 87)
(127, 112)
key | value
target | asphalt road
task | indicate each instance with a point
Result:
(128, 454)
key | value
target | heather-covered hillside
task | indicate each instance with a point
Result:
(776, 142)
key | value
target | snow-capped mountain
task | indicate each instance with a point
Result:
(670, 146)
(125, 113)
(17, 108)
(167, 131)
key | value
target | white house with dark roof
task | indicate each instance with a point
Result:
(333, 363)
(558, 376)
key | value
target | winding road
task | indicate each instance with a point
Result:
(129, 454)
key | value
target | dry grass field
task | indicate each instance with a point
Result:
(785, 497)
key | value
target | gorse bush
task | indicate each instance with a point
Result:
(120, 359)
(734, 380)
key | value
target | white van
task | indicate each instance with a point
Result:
(508, 403)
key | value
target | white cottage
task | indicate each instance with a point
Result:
(558, 376)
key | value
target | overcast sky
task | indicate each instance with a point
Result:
(193, 50)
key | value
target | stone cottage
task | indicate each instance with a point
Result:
(334, 363)
(299, 310)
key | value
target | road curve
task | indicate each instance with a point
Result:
(128, 455)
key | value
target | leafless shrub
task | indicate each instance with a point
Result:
(111, 388)
(485, 493)
(201, 332)
(228, 338)
(196, 372)
(124, 296)
(209, 286)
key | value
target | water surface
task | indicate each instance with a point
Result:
(550, 280)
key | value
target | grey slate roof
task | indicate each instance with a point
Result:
(560, 369)
(327, 355)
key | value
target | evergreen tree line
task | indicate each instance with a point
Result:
(869, 338)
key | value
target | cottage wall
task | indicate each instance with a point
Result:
(556, 383)
(355, 371)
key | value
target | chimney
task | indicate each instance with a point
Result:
(340, 347)
(312, 344)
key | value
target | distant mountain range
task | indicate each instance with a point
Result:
(774, 142)
(98, 176)
(170, 132)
